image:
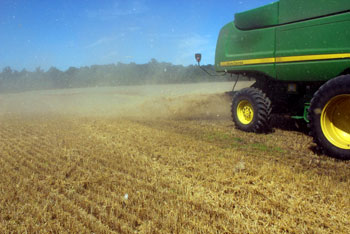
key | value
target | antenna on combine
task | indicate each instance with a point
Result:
(198, 58)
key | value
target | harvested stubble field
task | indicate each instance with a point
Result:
(159, 159)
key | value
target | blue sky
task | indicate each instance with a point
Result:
(79, 33)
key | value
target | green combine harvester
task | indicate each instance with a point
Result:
(298, 51)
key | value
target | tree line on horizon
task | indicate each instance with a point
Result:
(153, 72)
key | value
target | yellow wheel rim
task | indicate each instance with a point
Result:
(245, 112)
(335, 121)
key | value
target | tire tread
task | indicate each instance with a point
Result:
(263, 106)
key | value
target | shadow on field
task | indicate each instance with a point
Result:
(288, 124)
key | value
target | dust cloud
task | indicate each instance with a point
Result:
(179, 101)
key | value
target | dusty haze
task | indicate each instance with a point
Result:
(159, 159)
(177, 101)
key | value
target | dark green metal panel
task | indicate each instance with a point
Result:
(235, 44)
(257, 18)
(311, 71)
(319, 36)
(296, 10)
(327, 35)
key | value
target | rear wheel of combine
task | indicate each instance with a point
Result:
(329, 116)
(251, 110)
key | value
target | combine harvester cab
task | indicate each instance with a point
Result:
(299, 54)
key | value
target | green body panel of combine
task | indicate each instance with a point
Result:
(289, 40)
(257, 18)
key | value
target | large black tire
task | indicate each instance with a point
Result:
(251, 110)
(329, 116)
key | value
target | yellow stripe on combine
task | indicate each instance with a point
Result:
(311, 57)
(247, 62)
(285, 59)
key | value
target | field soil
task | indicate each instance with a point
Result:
(160, 159)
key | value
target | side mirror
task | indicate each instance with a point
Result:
(198, 58)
